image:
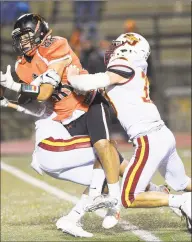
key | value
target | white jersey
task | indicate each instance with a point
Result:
(135, 110)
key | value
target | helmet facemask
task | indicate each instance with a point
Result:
(129, 46)
(108, 53)
(25, 42)
(30, 30)
(117, 50)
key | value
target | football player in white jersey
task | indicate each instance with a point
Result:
(127, 87)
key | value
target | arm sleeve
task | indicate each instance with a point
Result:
(89, 82)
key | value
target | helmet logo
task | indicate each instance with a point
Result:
(131, 39)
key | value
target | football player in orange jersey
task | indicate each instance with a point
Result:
(41, 65)
(66, 165)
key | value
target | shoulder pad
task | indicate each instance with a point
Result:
(121, 67)
(54, 49)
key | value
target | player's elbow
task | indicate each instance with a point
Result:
(44, 97)
(46, 91)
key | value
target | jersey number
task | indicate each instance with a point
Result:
(145, 96)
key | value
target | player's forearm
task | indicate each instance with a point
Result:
(6, 103)
(20, 109)
(89, 82)
(45, 92)
(28, 93)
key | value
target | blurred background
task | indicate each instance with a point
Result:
(90, 26)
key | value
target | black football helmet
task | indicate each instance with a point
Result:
(29, 31)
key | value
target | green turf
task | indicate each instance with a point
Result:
(29, 214)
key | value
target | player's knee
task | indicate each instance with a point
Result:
(45, 160)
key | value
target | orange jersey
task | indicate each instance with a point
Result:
(51, 51)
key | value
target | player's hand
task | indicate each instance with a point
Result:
(7, 79)
(72, 70)
(4, 102)
(3, 78)
(8, 82)
(49, 77)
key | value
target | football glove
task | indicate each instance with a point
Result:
(8, 82)
(48, 77)
(4, 102)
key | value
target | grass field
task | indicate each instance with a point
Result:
(29, 213)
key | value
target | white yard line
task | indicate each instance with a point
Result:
(142, 234)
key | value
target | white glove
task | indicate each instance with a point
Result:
(4, 102)
(48, 77)
(72, 70)
(8, 82)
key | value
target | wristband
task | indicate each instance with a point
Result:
(28, 93)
